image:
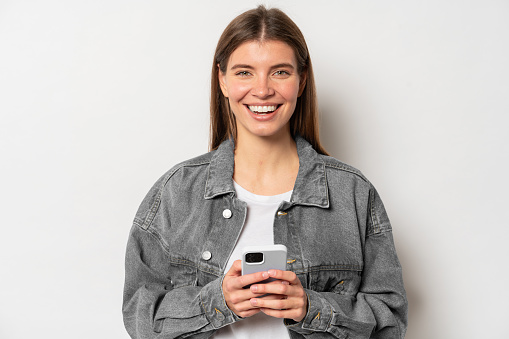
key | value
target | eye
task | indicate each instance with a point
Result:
(281, 73)
(243, 73)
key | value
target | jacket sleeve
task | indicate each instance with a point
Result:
(379, 310)
(152, 307)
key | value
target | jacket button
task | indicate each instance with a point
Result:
(227, 214)
(206, 255)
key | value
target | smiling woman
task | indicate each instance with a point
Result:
(262, 84)
(267, 180)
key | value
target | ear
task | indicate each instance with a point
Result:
(222, 81)
(302, 84)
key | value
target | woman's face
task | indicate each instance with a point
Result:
(262, 84)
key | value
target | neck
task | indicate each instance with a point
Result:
(266, 165)
(264, 151)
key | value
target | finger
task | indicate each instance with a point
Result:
(295, 314)
(289, 276)
(276, 282)
(244, 306)
(281, 287)
(236, 269)
(278, 304)
(252, 278)
(247, 314)
(244, 309)
(264, 283)
(239, 302)
(272, 297)
(270, 303)
(293, 308)
(236, 295)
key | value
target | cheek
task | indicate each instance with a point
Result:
(237, 90)
(290, 93)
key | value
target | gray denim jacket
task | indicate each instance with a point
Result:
(335, 227)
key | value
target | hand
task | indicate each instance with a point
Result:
(287, 300)
(236, 297)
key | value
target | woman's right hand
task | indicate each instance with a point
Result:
(238, 298)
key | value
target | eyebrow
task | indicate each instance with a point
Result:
(282, 65)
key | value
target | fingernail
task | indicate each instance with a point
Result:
(284, 282)
(272, 273)
(265, 275)
(254, 288)
(254, 301)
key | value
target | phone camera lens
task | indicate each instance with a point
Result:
(255, 257)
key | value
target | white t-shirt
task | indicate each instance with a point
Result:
(257, 230)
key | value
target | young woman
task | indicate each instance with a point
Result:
(267, 180)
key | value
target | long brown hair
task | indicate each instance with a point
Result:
(262, 24)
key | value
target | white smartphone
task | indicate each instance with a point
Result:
(263, 258)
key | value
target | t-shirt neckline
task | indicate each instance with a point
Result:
(244, 194)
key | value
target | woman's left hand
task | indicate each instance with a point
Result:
(293, 300)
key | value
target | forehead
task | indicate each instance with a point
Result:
(263, 53)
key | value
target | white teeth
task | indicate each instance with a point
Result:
(262, 109)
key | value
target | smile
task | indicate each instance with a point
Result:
(262, 109)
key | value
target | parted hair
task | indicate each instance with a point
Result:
(262, 24)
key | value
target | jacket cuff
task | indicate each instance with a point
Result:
(212, 301)
(318, 317)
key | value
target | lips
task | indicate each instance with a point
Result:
(261, 110)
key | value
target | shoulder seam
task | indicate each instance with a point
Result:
(184, 164)
(346, 169)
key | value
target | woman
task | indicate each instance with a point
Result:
(267, 180)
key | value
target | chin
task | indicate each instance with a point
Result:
(270, 133)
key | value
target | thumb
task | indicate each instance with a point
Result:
(236, 269)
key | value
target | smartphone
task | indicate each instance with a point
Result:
(263, 258)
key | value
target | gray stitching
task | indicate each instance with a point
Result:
(346, 169)
(340, 267)
(376, 227)
(184, 165)
(138, 222)
(153, 210)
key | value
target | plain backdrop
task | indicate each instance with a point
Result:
(99, 98)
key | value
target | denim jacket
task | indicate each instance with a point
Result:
(335, 228)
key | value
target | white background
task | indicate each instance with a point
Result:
(100, 98)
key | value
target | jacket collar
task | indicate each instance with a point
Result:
(310, 186)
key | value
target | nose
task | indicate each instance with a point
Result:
(262, 88)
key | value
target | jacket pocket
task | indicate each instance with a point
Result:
(182, 273)
(339, 281)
